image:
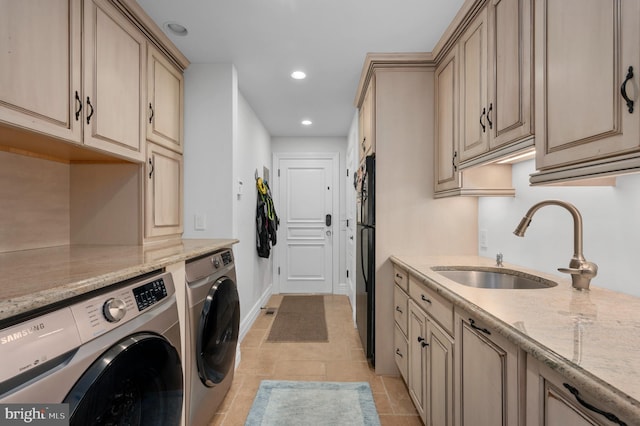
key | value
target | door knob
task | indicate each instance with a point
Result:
(328, 233)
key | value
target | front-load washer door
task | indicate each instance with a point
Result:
(138, 381)
(218, 330)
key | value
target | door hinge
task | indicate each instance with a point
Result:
(347, 223)
(347, 273)
(347, 172)
(278, 172)
(278, 270)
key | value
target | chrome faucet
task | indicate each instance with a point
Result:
(581, 271)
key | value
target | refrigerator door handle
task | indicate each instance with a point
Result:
(362, 265)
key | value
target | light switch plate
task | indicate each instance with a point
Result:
(199, 222)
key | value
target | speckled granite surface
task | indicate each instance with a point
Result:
(590, 337)
(32, 279)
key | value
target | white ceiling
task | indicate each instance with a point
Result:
(328, 39)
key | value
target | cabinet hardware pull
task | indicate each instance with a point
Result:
(484, 112)
(611, 417)
(399, 276)
(425, 299)
(473, 325)
(399, 353)
(151, 109)
(453, 161)
(91, 113)
(152, 168)
(623, 90)
(422, 342)
(398, 309)
(489, 115)
(79, 103)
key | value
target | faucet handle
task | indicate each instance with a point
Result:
(499, 258)
(582, 275)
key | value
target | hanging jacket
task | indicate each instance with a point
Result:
(267, 221)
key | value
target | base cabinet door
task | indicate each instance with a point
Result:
(487, 375)
(163, 192)
(553, 400)
(430, 376)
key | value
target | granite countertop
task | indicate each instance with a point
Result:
(590, 337)
(33, 279)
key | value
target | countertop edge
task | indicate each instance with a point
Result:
(627, 405)
(22, 305)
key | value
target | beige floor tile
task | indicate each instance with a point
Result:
(340, 359)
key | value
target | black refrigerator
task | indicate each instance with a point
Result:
(365, 258)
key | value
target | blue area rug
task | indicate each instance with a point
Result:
(313, 403)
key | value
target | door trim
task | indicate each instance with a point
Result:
(334, 156)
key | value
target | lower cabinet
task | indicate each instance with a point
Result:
(489, 374)
(553, 400)
(430, 375)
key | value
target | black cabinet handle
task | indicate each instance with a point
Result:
(424, 299)
(151, 116)
(489, 115)
(623, 90)
(398, 309)
(152, 168)
(611, 417)
(91, 113)
(473, 325)
(484, 112)
(453, 161)
(399, 276)
(422, 342)
(79, 103)
(399, 353)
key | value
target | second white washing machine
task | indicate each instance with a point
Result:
(213, 323)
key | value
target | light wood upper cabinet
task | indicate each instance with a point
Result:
(475, 112)
(40, 73)
(584, 49)
(495, 82)
(163, 192)
(366, 117)
(114, 81)
(165, 91)
(446, 109)
(509, 113)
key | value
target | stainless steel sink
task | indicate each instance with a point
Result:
(487, 277)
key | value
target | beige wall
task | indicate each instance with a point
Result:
(34, 194)
(409, 221)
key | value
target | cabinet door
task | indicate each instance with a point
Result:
(439, 389)
(401, 352)
(40, 47)
(165, 89)
(163, 206)
(114, 64)
(583, 49)
(446, 95)
(401, 305)
(510, 67)
(417, 357)
(487, 376)
(367, 118)
(550, 403)
(474, 112)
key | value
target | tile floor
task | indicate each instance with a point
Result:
(341, 360)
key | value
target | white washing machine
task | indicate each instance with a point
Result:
(113, 356)
(213, 322)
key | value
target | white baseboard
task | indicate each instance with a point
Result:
(247, 322)
(341, 288)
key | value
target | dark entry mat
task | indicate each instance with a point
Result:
(300, 319)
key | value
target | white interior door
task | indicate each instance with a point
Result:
(306, 240)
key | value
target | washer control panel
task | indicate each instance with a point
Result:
(102, 313)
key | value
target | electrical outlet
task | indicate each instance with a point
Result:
(484, 239)
(199, 222)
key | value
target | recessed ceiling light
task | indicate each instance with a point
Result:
(175, 28)
(307, 122)
(298, 75)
